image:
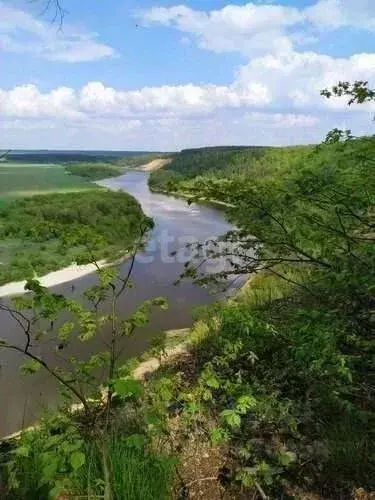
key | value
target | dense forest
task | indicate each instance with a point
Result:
(192, 165)
(93, 171)
(61, 157)
(286, 369)
(45, 233)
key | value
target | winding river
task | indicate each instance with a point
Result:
(23, 398)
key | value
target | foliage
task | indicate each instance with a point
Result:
(45, 233)
(54, 460)
(358, 92)
(191, 163)
(99, 384)
(284, 373)
(93, 171)
(282, 376)
(62, 157)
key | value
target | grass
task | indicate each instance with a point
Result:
(137, 473)
(139, 476)
(18, 180)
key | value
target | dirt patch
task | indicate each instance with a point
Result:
(155, 164)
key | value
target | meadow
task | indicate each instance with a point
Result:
(18, 180)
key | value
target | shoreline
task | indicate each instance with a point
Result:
(73, 271)
(179, 344)
(186, 196)
(54, 278)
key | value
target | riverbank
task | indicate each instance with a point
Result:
(172, 217)
(65, 275)
(190, 197)
(72, 271)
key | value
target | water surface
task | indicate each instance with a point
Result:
(23, 398)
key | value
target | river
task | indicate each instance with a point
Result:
(24, 397)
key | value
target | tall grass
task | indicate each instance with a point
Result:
(137, 473)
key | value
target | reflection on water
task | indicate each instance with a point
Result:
(22, 398)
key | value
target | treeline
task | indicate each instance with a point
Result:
(44, 233)
(215, 162)
(112, 167)
(93, 171)
(46, 156)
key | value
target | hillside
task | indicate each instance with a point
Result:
(198, 164)
(283, 372)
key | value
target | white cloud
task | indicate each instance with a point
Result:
(257, 29)
(21, 33)
(26, 101)
(250, 29)
(333, 14)
(281, 120)
(95, 99)
(273, 99)
(294, 80)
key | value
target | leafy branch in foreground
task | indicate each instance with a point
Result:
(51, 325)
(358, 92)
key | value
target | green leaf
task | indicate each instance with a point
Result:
(286, 458)
(49, 471)
(65, 331)
(219, 435)
(231, 418)
(136, 441)
(127, 387)
(160, 302)
(22, 451)
(77, 460)
(247, 476)
(212, 382)
(193, 408)
(245, 403)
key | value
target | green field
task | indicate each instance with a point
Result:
(26, 179)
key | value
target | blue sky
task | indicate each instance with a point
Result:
(126, 74)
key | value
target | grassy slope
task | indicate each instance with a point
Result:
(21, 179)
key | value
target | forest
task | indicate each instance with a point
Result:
(93, 171)
(44, 233)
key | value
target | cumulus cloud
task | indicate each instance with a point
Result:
(21, 33)
(97, 99)
(333, 14)
(272, 99)
(250, 29)
(254, 29)
(294, 80)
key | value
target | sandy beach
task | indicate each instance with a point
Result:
(54, 278)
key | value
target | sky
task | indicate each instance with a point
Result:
(165, 75)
